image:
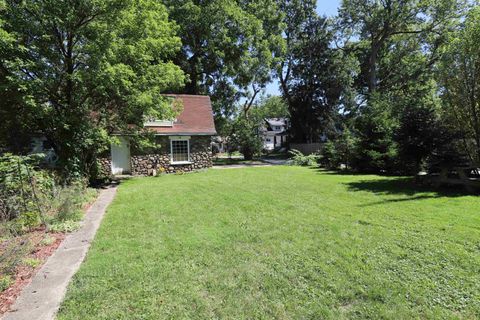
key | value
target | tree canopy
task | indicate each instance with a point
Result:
(83, 70)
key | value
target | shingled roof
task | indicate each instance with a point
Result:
(195, 119)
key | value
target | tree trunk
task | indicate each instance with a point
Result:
(372, 76)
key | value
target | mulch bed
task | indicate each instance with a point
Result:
(24, 274)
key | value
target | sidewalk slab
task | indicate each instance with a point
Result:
(41, 299)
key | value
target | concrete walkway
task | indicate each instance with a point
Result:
(264, 163)
(41, 299)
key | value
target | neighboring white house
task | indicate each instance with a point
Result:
(274, 133)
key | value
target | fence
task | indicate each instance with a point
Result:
(307, 148)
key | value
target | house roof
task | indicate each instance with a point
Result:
(276, 121)
(195, 119)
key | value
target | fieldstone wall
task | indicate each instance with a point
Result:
(151, 164)
(105, 166)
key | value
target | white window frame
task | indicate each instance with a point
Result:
(180, 138)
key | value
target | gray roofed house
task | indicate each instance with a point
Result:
(274, 133)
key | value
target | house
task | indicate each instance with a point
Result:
(184, 143)
(274, 133)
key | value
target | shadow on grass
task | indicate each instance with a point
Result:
(405, 187)
(400, 186)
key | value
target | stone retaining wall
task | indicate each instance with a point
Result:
(105, 167)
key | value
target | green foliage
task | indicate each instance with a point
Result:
(390, 32)
(47, 240)
(459, 76)
(32, 262)
(5, 282)
(28, 220)
(271, 107)
(69, 207)
(245, 135)
(376, 149)
(88, 69)
(396, 110)
(339, 152)
(420, 129)
(64, 226)
(299, 159)
(229, 48)
(23, 189)
(314, 76)
(14, 250)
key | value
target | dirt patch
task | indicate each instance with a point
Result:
(23, 273)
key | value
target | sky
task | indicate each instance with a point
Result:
(324, 7)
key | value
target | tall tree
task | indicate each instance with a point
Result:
(397, 44)
(419, 125)
(228, 48)
(88, 68)
(379, 27)
(460, 79)
(312, 74)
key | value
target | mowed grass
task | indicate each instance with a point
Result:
(283, 243)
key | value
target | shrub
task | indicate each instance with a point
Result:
(47, 240)
(5, 282)
(245, 136)
(27, 221)
(24, 188)
(31, 262)
(339, 153)
(65, 226)
(329, 156)
(299, 159)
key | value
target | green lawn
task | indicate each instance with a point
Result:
(280, 242)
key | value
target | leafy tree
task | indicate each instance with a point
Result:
(397, 44)
(245, 135)
(312, 74)
(14, 116)
(228, 48)
(89, 68)
(419, 126)
(376, 150)
(460, 80)
(271, 107)
(383, 26)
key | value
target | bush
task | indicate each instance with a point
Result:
(339, 153)
(329, 156)
(28, 220)
(246, 137)
(299, 159)
(32, 262)
(24, 189)
(5, 282)
(65, 226)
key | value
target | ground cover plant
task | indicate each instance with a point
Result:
(36, 209)
(281, 242)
